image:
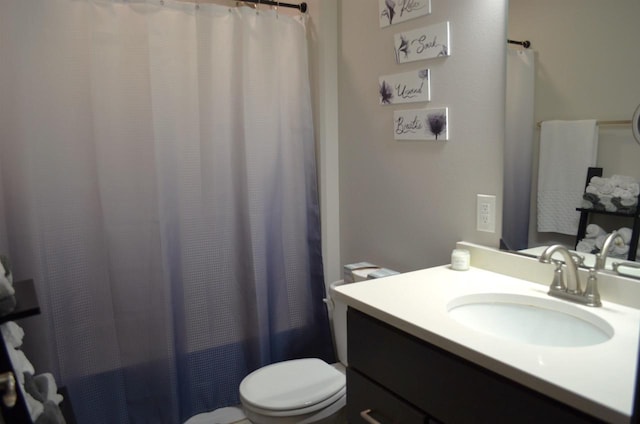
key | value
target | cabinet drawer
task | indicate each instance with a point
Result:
(363, 395)
(443, 385)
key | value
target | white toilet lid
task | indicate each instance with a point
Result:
(294, 384)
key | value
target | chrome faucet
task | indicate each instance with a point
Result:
(601, 258)
(572, 291)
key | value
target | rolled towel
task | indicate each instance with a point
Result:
(597, 181)
(629, 201)
(606, 188)
(621, 193)
(46, 385)
(609, 206)
(591, 189)
(35, 408)
(586, 245)
(619, 251)
(51, 414)
(586, 204)
(21, 364)
(621, 180)
(626, 234)
(5, 269)
(12, 334)
(594, 230)
(633, 188)
(600, 241)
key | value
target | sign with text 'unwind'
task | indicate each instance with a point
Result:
(422, 43)
(395, 11)
(421, 124)
(406, 87)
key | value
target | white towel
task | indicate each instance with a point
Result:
(567, 150)
(12, 333)
(594, 230)
(626, 233)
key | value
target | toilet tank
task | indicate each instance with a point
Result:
(338, 313)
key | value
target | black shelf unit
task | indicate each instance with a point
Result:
(26, 305)
(585, 213)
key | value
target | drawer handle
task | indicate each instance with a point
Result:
(365, 416)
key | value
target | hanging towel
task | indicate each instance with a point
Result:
(567, 150)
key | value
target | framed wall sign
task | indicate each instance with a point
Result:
(422, 43)
(421, 124)
(395, 11)
(406, 87)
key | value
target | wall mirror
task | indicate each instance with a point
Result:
(585, 66)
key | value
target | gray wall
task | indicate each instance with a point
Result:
(404, 204)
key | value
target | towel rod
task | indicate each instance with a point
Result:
(604, 123)
(302, 6)
(526, 43)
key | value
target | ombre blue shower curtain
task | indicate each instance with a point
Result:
(158, 182)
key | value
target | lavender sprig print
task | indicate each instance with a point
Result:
(403, 47)
(390, 12)
(436, 123)
(386, 93)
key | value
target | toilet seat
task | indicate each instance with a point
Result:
(295, 387)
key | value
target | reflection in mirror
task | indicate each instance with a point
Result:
(581, 65)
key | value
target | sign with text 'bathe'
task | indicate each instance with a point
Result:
(421, 124)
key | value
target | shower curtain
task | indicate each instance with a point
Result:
(518, 150)
(158, 182)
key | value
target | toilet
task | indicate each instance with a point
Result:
(300, 391)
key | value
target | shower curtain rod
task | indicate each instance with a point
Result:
(302, 6)
(526, 43)
(605, 123)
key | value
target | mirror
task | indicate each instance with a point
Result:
(586, 67)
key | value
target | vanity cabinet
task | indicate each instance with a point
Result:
(399, 378)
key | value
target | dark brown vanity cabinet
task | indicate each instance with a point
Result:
(397, 378)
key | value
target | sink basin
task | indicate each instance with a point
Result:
(530, 319)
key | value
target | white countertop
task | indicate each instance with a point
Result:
(597, 379)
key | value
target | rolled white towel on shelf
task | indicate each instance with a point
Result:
(628, 201)
(35, 407)
(592, 189)
(626, 233)
(586, 245)
(597, 181)
(600, 241)
(620, 251)
(12, 334)
(621, 180)
(21, 364)
(621, 193)
(47, 385)
(607, 188)
(608, 205)
(594, 230)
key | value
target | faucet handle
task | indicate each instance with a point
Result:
(577, 259)
(558, 279)
(591, 294)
